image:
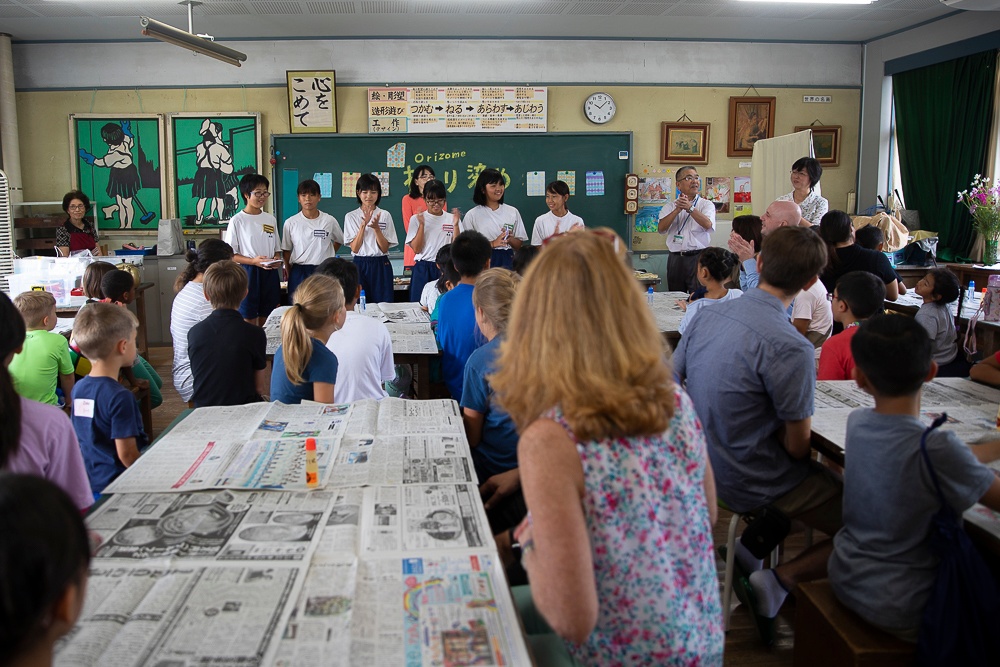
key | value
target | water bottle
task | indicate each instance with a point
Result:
(361, 301)
(970, 293)
(649, 295)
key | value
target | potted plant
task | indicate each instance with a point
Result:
(983, 202)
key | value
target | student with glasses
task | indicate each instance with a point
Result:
(429, 231)
(688, 223)
(413, 203)
(253, 235)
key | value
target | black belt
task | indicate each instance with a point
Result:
(687, 253)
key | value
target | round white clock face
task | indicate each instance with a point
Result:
(599, 108)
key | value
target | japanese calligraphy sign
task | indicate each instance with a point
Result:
(457, 109)
(312, 101)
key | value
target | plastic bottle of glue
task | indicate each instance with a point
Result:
(312, 468)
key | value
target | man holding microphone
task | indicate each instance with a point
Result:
(688, 223)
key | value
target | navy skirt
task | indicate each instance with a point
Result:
(423, 273)
(297, 275)
(263, 292)
(376, 278)
(502, 258)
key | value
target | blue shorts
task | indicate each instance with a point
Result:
(263, 292)
(297, 276)
(502, 258)
(376, 278)
(423, 273)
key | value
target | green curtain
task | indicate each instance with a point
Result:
(943, 115)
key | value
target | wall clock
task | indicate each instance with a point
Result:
(599, 108)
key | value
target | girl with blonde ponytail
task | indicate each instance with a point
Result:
(304, 368)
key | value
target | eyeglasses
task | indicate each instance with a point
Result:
(434, 201)
(425, 177)
(76, 207)
(832, 297)
(261, 193)
(690, 178)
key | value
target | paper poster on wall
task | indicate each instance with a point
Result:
(595, 183)
(348, 184)
(395, 157)
(655, 189)
(647, 218)
(742, 209)
(211, 153)
(383, 178)
(718, 190)
(536, 184)
(325, 181)
(741, 189)
(117, 164)
(569, 178)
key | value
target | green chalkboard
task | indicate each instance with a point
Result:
(457, 159)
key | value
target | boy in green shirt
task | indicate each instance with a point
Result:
(44, 357)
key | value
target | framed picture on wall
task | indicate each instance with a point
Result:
(684, 143)
(117, 163)
(826, 143)
(750, 120)
(312, 100)
(211, 152)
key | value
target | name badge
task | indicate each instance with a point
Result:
(321, 233)
(83, 407)
(268, 229)
(448, 229)
(678, 238)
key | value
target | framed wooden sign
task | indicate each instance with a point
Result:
(750, 120)
(312, 101)
(826, 143)
(684, 143)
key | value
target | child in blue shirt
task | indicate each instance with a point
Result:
(490, 430)
(883, 566)
(304, 368)
(457, 333)
(106, 416)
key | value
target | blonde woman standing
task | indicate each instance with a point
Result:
(304, 368)
(618, 538)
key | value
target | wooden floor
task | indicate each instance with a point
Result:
(743, 647)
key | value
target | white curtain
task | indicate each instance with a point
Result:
(772, 162)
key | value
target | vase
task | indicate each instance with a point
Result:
(990, 252)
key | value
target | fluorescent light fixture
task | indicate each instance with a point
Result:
(185, 40)
(816, 2)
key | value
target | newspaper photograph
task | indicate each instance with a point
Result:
(319, 628)
(213, 525)
(667, 313)
(423, 517)
(412, 459)
(400, 313)
(205, 615)
(435, 610)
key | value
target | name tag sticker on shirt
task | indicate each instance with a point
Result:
(268, 229)
(83, 407)
(678, 238)
(448, 229)
(321, 233)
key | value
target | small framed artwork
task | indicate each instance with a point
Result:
(826, 143)
(684, 143)
(750, 120)
(312, 101)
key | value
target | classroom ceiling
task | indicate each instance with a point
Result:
(227, 20)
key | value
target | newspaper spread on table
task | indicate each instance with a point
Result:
(412, 338)
(391, 562)
(667, 312)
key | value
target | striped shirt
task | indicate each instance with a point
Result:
(189, 308)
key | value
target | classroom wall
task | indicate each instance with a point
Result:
(44, 128)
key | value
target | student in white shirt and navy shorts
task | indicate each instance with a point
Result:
(253, 236)
(309, 237)
(500, 223)
(429, 231)
(369, 231)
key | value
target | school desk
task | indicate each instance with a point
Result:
(972, 413)
(987, 333)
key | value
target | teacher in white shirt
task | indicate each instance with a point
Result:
(688, 223)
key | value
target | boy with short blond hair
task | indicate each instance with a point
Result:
(106, 416)
(228, 354)
(44, 359)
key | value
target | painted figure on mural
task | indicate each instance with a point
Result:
(123, 177)
(214, 179)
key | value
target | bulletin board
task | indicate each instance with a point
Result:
(597, 161)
